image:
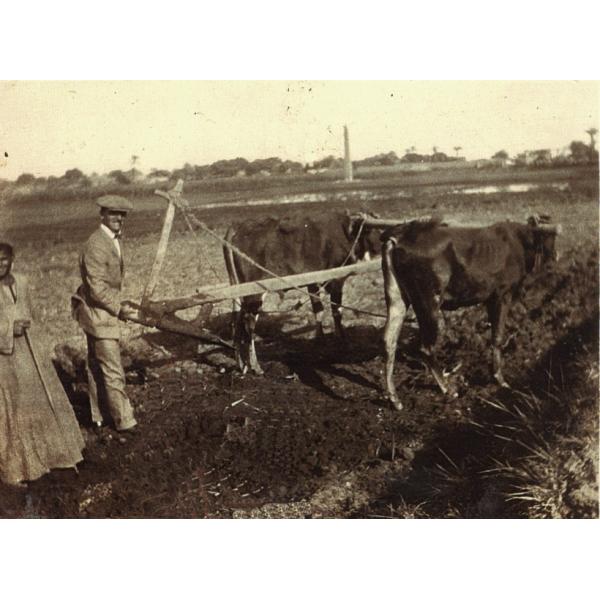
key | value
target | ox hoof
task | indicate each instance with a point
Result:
(450, 391)
(396, 402)
(499, 379)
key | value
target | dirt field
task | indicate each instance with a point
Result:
(313, 436)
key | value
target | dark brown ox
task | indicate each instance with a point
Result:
(433, 267)
(290, 246)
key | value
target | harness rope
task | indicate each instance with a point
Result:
(191, 218)
(190, 227)
(300, 304)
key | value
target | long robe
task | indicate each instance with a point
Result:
(38, 428)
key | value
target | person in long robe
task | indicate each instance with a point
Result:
(38, 428)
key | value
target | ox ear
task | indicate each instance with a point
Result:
(555, 229)
(536, 220)
(353, 223)
(371, 214)
(543, 223)
(353, 219)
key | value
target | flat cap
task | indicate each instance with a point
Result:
(114, 202)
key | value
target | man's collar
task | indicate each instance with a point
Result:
(111, 234)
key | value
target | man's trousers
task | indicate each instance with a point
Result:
(106, 382)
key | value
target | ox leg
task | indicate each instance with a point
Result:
(396, 310)
(253, 359)
(428, 316)
(239, 339)
(236, 307)
(497, 311)
(255, 305)
(317, 307)
(335, 289)
(434, 367)
(245, 349)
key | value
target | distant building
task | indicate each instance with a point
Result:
(484, 163)
(535, 157)
(157, 178)
(502, 162)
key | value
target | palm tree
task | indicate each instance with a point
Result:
(457, 149)
(134, 159)
(592, 132)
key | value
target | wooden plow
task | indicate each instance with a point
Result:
(161, 313)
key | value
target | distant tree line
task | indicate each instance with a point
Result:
(236, 167)
(578, 153)
(410, 156)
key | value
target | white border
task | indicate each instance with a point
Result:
(263, 40)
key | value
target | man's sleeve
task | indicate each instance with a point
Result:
(101, 292)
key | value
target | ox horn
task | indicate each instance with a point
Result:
(556, 229)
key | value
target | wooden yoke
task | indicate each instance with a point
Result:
(376, 222)
(174, 199)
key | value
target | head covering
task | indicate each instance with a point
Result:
(114, 202)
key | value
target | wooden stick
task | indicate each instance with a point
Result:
(172, 198)
(382, 223)
(250, 288)
(38, 367)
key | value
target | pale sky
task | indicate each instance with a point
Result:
(47, 127)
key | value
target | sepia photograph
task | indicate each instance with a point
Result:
(299, 299)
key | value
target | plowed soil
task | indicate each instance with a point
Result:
(314, 437)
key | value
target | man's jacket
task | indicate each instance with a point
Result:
(97, 302)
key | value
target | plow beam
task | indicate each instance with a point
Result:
(275, 284)
(173, 324)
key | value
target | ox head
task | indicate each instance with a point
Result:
(542, 235)
(367, 239)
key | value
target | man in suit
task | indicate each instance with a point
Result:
(97, 308)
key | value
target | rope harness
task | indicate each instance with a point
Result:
(301, 303)
(191, 221)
